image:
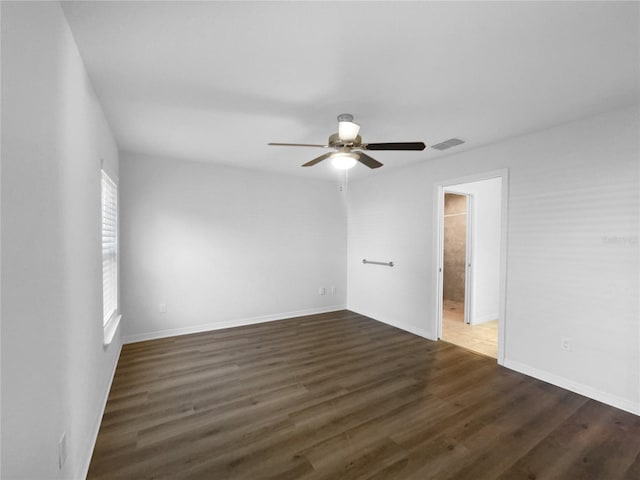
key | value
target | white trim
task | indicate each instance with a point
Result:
(587, 391)
(109, 171)
(504, 246)
(84, 468)
(206, 327)
(438, 238)
(484, 318)
(111, 327)
(469, 261)
(438, 204)
(421, 332)
(558, 381)
(455, 214)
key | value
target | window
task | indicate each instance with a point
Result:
(110, 316)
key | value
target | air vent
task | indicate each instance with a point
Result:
(452, 142)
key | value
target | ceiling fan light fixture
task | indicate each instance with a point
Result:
(344, 160)
(348, 131)
(346, 140)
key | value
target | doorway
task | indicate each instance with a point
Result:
(471, 264)
(456, 258)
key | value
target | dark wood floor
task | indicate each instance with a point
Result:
(341, 396)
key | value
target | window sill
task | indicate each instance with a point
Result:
(110, 328)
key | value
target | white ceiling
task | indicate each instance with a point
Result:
(217, 81)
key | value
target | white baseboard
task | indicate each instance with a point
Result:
(484, 319)
(206, 327)
(407, 328)
(84, 468)
(587, 391)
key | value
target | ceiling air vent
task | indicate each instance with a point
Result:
(452, 142)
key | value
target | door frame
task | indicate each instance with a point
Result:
(438, 249)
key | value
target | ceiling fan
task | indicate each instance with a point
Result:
(349, 146)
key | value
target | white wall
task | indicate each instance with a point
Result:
(55, 371)
(222, 246)
(485, 246)
(572, 261)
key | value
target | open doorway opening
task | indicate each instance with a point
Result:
(470, 225)
(455, 260)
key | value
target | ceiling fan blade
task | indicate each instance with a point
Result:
(311, 163)
(298, 145)
(368, 161)
(396, 146)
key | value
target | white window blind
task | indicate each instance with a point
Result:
(109, 248)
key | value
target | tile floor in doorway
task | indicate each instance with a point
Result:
(482, 338)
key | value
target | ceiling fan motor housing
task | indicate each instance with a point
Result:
(336, 142)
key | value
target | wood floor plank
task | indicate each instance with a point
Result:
(340, 396)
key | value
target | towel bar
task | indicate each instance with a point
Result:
(387, 264)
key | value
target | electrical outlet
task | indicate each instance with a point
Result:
(322, 291)
(565, 344)
(334, 290)
(163, 308)
(62, 450)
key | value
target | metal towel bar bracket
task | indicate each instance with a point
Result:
(388, 264)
